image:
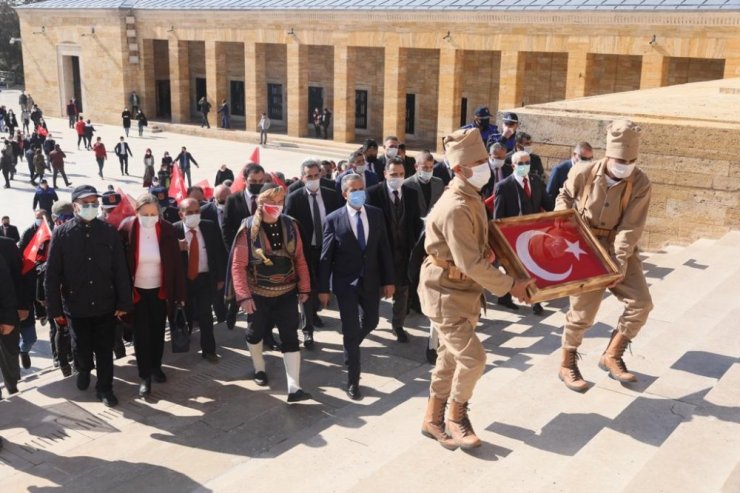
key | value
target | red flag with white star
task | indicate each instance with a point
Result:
(178, 190)
(123, 210)
(35, 251)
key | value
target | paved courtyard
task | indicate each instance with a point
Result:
(210, 428)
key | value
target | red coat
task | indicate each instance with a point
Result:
(173, 278)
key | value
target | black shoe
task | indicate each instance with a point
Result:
(159, 376)
(308, 340)
(12, 389)
(508, 303)
(119, 350)
(260, 378)
(145, 387)
(25, 360)
(210, 357)
(55, 362)
(299, 395)
(401, 335)
(230, 324)
(66, 370)
(431, 356)
(108, 398)
(83, 380)
(353, 391)
(317, 322)
(537, 309)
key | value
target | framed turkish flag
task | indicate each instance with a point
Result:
(556, 249)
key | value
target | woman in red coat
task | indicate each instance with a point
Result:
(158, 280)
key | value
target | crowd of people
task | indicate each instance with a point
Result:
(378, 225)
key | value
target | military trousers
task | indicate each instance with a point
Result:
(461, 359)
(633, 292)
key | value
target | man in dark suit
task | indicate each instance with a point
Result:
(309, 205)
(400, 205)
(443, 171)
(524, 143)
(409, 163)
(518, 195)
(10, 368)
(582, 153)
(323, 182)
(7, 230)
(214, 211)
(356, 164)
(428, 187)
(356, 261)
(204, 258)
(390, 151)
(8, 321)
(499, 169)
(223, 174)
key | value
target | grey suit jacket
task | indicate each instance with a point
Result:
(438, 187)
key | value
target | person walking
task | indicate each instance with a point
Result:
(148, 168)
(151, 248)
(126, 118)
(23, 100)
(7, 162)
(184, 159)
(142, 121)
(71, 113)
(39, 164)
(134, 101)
(26, 120)
(326, 122)
(123, 151)
(225, 113)
(89, 131)
(101, 155)
(80, 130)
(57, 157)
(316, 117)
(204, 107)
(89, 300)
(44, 198)
(223, 174)
(263, 126)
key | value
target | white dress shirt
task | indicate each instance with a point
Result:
(203, 253)
(390, 192)
(149, 268)
(353, 220)
(322, 208)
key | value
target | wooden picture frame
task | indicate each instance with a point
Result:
(598, 270)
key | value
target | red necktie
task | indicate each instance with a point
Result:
(527, 190)
(193, 256)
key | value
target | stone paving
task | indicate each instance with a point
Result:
(210, 428)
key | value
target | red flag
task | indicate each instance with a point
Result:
(239, 183)
(123, 210)
(489, 204)
(31, 254)
(177, 191)
(278, 181)
(207, 190)
(255, 157)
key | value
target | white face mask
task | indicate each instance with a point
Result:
(621, 171)
(313, 185)
(395, 183)
(391, 152)
(87, 214)
(148, 222)
(522, 169)
(360, 169)
(528, 149)
(220, 206)
(425, 176)
(496, 163)
(192, 221)
(481, 175)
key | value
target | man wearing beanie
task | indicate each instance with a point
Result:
(453, 276)
(612, 195)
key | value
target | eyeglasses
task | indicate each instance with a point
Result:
(585, 159)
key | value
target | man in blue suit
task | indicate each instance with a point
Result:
(582, 153)
(356, 257)
(356, 164)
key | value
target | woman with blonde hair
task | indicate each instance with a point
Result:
(269, 277)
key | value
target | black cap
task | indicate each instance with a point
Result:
(511, 118)
(482, 112)
(110, 200)
(84, 191)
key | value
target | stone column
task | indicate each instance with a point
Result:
(255, 85)
(732, 64)
(449, 95)
(216, 90)
(512, 79)
(297, 94)
(344, 94)
(179, 80)
(575, 82)
(394, 93)
(653, 70)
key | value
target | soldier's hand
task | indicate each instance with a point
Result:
(6, 329)
(616, 282)
(324, 299)
(302, 298)
(519, 290)
(249, 307)
(389, 291)
(22, 315)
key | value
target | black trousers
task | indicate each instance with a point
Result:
(94, 335)
(150, 314)
(358, 311)
(123, 160)
(311, 307)
(219, 306)
(281, 311)
(61, 344)
(9, 364)
(199, 306)
(64, 175)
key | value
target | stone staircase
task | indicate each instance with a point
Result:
(211, 429)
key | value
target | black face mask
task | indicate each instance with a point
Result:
(371, 159)
(254, 188)
(484, 122)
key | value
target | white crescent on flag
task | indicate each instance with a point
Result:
(522, 251)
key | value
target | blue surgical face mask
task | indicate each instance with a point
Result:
(37, 222)
(522, 169)
(88, 212)
(356, 199)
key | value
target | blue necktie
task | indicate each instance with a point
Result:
(360, 231)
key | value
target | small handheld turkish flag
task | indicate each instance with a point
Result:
(207, 190)
(33, 251)
(255, 157)
(122, 211)
(177, 190)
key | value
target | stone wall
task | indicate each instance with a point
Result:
(369, 66)
(544, 77)
(612, 73)
(696, 188)
(480, 84)
(421, 68)
(681, 70)
(321, 74)
(276, 72)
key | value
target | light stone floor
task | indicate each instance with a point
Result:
(210, 428)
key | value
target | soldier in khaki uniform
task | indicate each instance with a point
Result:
(453, 276)
(612, 195)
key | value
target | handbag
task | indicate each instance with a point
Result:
(179, 331)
